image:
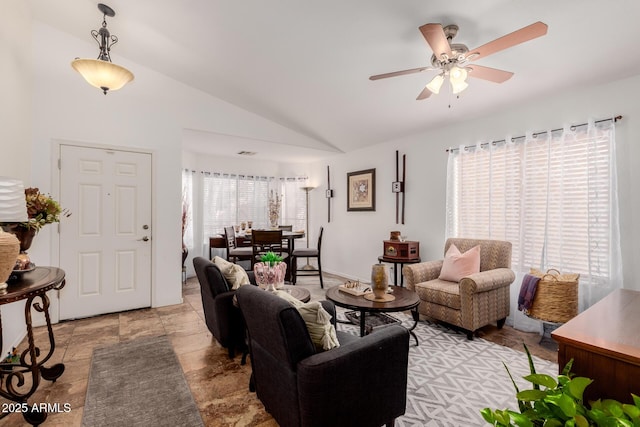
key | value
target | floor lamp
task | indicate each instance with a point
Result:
(307, 190)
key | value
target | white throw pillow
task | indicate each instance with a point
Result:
(234, 273)
(457, 265)
(317, 319)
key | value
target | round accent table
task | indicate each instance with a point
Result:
(405, 300)
(30, 286)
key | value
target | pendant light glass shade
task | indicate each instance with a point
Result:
(435, 84)
(102, 74)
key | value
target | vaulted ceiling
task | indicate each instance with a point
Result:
(305, 64)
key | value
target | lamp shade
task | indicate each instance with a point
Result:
(13, 205)
(435, 84)
(13, 208)
(457, 78)
(104, 75)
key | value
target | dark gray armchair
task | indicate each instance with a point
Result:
(361, 383)
(222, 317)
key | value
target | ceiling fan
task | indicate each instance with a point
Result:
(453, 59)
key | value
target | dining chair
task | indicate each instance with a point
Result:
(234, 253)
(285, 243)
(307, 270)
(263, 241)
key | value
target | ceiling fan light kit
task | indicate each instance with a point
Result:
(101, 72)
(452, 59)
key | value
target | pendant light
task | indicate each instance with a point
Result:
(101, 72)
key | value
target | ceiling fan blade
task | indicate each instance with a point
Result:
(487, 73)
(522, 35)
(424, 94)
(434, 35)
(400, 73)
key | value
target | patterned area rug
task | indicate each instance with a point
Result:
(451, 378)
(138, 383)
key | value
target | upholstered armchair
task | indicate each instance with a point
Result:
(222, 316)
(476, 300)
(363, 382)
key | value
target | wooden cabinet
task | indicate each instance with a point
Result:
(604, 343)
(401, 250)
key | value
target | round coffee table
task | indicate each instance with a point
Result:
(405, 300)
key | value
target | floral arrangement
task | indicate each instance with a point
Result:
(41, 209)
(274, 208)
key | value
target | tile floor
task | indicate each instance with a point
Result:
(209, 372)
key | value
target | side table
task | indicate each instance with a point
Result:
(395, 262)
(30, 286)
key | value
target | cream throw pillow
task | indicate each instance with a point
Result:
(457, 265)
(234, 273)
(317, 319)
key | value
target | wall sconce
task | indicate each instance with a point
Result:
(101, 72)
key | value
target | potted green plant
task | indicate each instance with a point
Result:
(271, 258)
(555, 402)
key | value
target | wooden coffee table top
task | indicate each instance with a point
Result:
(405, 300)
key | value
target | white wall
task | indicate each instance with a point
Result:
(15, 131)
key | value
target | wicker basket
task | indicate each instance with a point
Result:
(556, 298)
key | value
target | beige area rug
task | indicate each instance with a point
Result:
(138, 383)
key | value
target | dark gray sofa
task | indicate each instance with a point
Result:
(361, 383)
(222, 317)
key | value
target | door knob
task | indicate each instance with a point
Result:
(144, 239)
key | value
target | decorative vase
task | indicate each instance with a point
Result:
(379, 280)
(9, 249)
(271, 277)
(25, 235)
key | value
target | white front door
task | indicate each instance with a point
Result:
(105, 245)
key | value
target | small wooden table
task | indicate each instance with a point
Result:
(405, 300)
(30, 286)
(395, 262)
(604, 342)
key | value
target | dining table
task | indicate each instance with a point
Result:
(243, 239)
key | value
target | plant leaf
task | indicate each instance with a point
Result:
(520, 419)
(577, 386)
(613, 407)
(568, 405)
(531, 395)
(581, 421)
(631, 410)
(542, 379)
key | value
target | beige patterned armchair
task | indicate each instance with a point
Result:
(478, 299)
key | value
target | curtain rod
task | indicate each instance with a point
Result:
(535, 135)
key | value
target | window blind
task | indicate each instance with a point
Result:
(552, 196)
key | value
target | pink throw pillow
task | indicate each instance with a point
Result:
(457, 265)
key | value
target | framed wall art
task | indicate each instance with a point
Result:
(361, 190)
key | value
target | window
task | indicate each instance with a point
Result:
(231, 199)
(553, 196)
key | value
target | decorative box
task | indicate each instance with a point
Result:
(401, 250)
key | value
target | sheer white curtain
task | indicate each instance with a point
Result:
(553, 195)
(187, 208)
(229, 199)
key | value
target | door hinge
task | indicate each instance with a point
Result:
(59, 167)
